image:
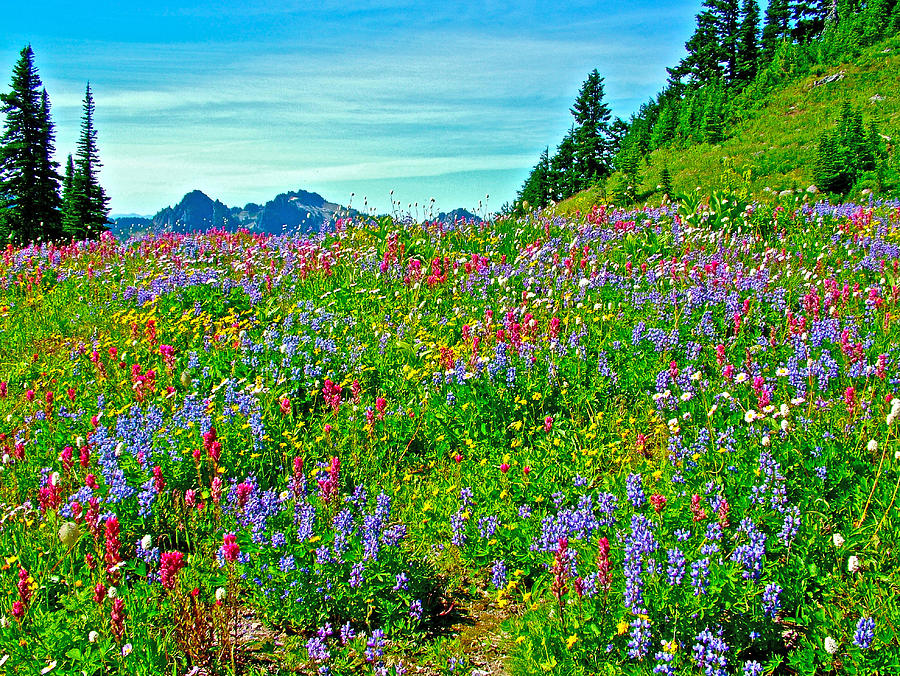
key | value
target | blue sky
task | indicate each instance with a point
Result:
(244, 99)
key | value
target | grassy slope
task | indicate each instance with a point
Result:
(776, 137)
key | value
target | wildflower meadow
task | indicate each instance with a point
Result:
(647, 441)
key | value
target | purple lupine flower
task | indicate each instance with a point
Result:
(487, 526)
(401, 583)
(700, 576)
(791, 526)
(634, 490)
(750, 554)
(639, 642)
(709, 653)
(458, 528)
(753, 668)
(343, 531)
(675, 570)
(347, 633)
(865, 633)
(771, 602)
(664, 661)
(305, 518)
(498, 574)
(375, 645)
(391, 537)
(415, 610)
(638, 543)
(318, 651)
(525, 511)
(356, 574)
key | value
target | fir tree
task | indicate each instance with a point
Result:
(712, 51)
(565, 180)
(86, 212)
(537, 188)
(594, 146)
(777, 25)
(48, 178)
(666, 124)
(29, 184)
(713, 117)
(809, 17)
(748, 42)
(702, 63)
(665, 180)
(70, 223)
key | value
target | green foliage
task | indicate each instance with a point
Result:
(538, 188)
(845, 152)
(594, 147)
(29, 182)
(86, 208)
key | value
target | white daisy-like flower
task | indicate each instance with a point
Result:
(741, 378)
(781, 372)
(750, 416)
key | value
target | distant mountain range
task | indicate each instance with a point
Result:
(289, 212)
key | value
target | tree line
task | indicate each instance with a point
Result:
(36, 202)
(732, 51)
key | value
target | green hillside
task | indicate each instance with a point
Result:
(806, 98)
(775, 135)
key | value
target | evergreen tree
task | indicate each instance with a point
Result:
(712, 51)
(537, 188)
(713, 124)
(565, 179)
(665, 180)
(666, 124)
(844, 152)
(48, 210)
(29, 184)
(702, 63)
(748, 42)
(594, 145)
(809, 18)
(86, 212)
(70, 222)
(777, 25)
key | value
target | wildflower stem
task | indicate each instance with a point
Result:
(874, 486)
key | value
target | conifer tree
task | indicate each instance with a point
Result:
(48, 211)
(536, 190)
(665, 180)
(713, 117)
(29, 184)
(69, 217)
(565, 179)
(712, 51)
(809, 17)
(748, 42)
(666, 124)
(592, 135)
(777, 25)
(86, 212)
